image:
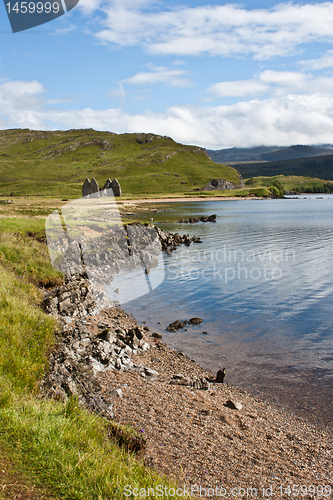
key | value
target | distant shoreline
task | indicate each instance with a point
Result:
(204, 198)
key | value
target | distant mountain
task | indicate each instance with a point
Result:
(265, 153)
(295, 152)
(320, 167)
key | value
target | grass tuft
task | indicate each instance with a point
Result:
(28, 258)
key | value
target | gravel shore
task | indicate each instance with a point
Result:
(196, 437)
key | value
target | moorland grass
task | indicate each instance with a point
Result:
(28, 258)
(57, 163)
(70, 452)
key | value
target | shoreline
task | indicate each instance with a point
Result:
(196, 431)
(183, 199)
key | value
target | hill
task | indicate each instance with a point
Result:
(265, 153)
(319, 167)
(292, 183)
(57, 163)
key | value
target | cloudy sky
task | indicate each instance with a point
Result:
(213, 74)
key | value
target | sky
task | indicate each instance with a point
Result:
(213, 74)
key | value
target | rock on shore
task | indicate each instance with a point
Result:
(194, 220)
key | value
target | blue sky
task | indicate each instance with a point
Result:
(208, 73)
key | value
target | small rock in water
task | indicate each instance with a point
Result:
(156, 335)
(220, 376)
(195, 321)
(234, 405)
(176, 325)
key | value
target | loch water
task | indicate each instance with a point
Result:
(261, 280)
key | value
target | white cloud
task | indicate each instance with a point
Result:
(118, 93)
(171, 77)
(20, 103)
(88, 6)
(239, 88)
(276, 83)
(285, 78)
(323, 62)
(295, 119)
(217, 29)
(65, 31)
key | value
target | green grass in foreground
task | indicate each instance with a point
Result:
(56, 445)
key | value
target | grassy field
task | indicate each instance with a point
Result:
(59, 448)
(57, 163)
(293, 183)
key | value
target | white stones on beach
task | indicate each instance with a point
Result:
(195, 383)
(234, 405)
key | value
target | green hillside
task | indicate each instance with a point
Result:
(57, 163)
(299, 184)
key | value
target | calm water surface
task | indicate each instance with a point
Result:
(262, 281)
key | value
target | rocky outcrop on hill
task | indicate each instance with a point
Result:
(223, 184)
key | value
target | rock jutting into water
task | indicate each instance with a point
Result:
(193, 220)
(195, 321)
(178, 324)
(170, 240)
